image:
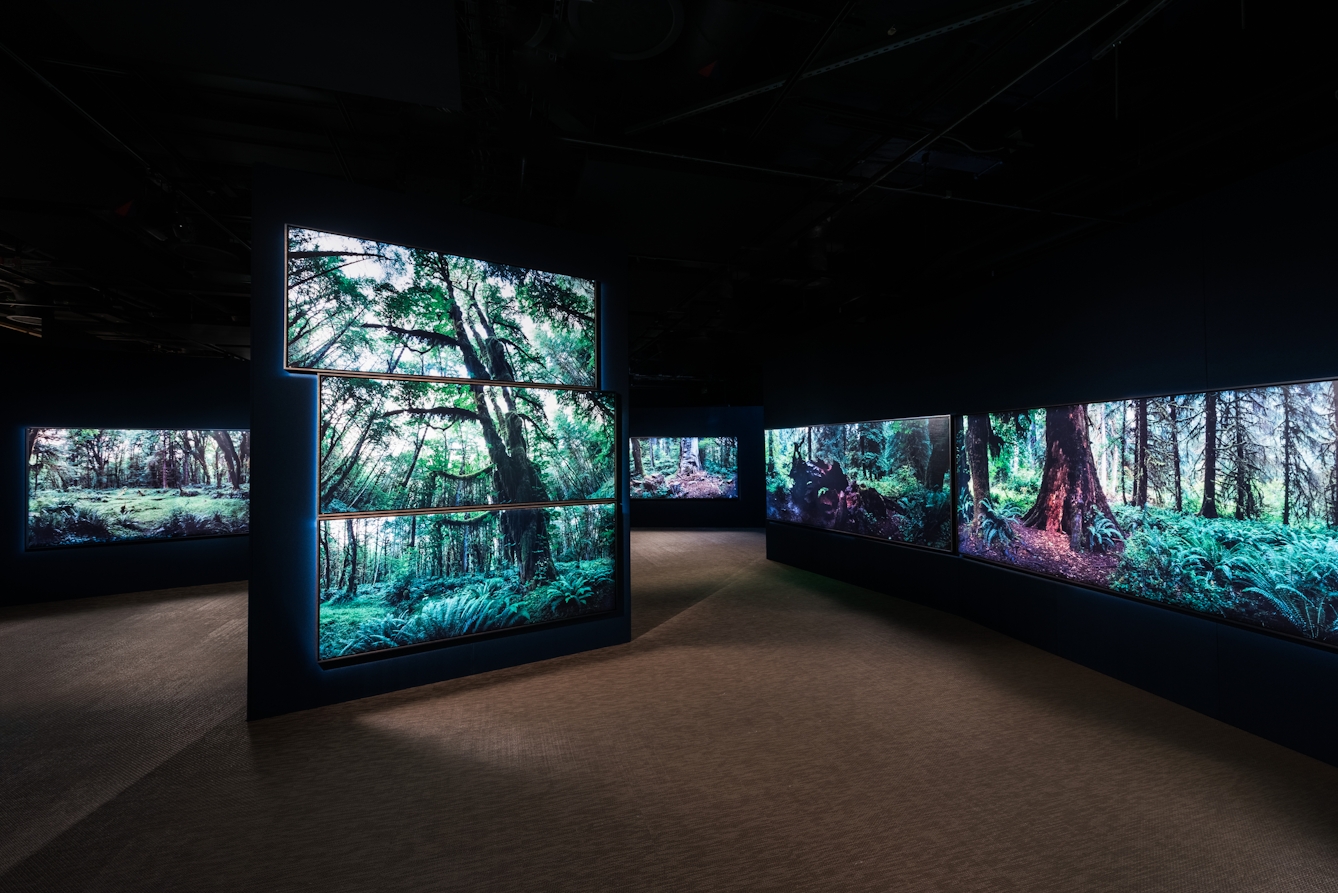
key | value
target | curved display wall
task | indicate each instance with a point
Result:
(1223, 503)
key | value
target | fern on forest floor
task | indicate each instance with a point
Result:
(405, 610)
(1257, 571)
(128, 513)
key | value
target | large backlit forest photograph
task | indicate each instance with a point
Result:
(886, 479)
(1223, 503)
(109, 485)
(685, 468)
(389, 444)
(362, 306)
(387, 582)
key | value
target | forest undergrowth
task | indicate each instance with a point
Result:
(79, 515)
(882, 479)
(407, 610)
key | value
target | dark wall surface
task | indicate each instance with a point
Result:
(79, 386)
(1237, 288)
(283, 674)
(743, 422)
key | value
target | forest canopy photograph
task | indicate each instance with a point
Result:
(113, 485)
(685, 468)
(1224, 503)
(356, 305)
(885, 479)
(393, 444)
(387, 582)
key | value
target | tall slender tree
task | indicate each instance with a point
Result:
(1209, 506)
(978, 462)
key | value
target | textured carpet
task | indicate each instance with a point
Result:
(767, 729)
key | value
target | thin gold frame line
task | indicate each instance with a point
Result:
(596, 326)
(457, 510)
(485, 382)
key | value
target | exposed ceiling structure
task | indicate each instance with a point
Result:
(780, 171)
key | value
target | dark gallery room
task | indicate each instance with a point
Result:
(669, 445)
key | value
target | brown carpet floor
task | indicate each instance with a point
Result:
(767, 729)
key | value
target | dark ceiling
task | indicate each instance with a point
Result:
(779, 171)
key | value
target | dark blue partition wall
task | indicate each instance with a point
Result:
(743, 422)
(54, 385)
(1237, 288)
(283, 674)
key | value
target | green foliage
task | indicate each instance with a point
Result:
(457, 615)
(996, 525)
(1257, 571)
(1101, 534)
(1300, 579)
(458, 578)
(928, 517)
(82, 515)
(67, 524)
(573, 587)
(376, 634)
(359, 305)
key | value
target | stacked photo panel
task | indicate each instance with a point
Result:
(467, 466)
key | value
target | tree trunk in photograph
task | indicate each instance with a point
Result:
(1124, 447)
(1172, 412)
(325, 554)
(701, 456)
(162, 466)
(810, 443)
(1286, 456)
(1209, 509)
(230, 459)
(352, 584)
(940, 452)
(1069, 486)
(1141, 458)
(978, 461)
(464, 550)
(637, 470)
(688, 460)
(1245, 507)
(1333, 422)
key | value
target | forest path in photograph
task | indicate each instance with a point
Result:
(1223, 503)
(685, 468)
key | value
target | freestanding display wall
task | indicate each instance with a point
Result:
(285, 670)
(1234, 290)
(743, 422)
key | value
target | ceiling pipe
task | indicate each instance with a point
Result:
(915, 148)
(801, 175)
(798, 73)
(147, 169)
(768, 86)
(1123, 33)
